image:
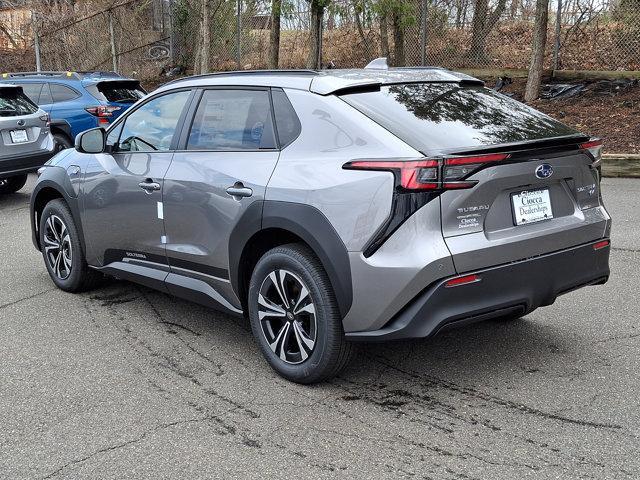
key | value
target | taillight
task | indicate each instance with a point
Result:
(103, 112)
(594, 146)
(411, 175)
(444, 173)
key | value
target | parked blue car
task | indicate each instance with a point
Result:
(77, 101)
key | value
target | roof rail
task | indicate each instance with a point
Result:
(77, 75)
(40, 74)
(247, 72)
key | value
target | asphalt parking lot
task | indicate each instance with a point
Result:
(125, 382)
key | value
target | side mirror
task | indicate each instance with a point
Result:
(91, 141)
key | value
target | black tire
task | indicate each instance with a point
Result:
(77, 277)
(330, 352)
(61, 142)
(12, 184)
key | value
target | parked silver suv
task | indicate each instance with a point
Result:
(330, 206)
(25, 140)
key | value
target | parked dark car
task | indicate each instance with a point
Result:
(77, 101)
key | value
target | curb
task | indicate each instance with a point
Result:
(621, 165)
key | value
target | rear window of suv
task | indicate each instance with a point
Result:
(14, 103)
(445, 117)
(127, 91)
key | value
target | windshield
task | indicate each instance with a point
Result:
(444, 117)
(14, 103)
(128, 91)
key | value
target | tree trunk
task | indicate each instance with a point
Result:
(274, 35)
(363, 38)
(384, 36)
(398, 40)
(532, 90)
(205, 36)
(483, 22)
(314, 60)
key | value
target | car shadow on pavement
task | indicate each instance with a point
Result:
(467, 355)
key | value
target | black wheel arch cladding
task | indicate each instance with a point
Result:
(305, 222)
(55, 179)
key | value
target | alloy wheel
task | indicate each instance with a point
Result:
(57, 246)
(287, 316)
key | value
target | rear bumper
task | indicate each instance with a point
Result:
(515, 288)
(20, 164)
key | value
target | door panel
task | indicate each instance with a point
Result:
(199, 214)
(121, 218)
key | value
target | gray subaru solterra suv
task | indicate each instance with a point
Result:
(330, 207)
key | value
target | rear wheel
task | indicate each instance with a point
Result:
(61, 142)
(294, 316)
(62, 250)
(12, 184)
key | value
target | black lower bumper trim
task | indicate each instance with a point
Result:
(508, 290)
(23, 164)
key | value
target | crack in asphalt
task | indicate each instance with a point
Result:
(496, 400)
(27, 298)
(126, 444)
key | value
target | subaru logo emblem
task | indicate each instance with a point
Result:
(21, 123)
(544, 171)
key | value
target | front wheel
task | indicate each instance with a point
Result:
(294, 316)
(62, 251)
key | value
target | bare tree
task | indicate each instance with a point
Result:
(314, 60)
(532, 90)
(384, 35)
(484, 19)
(274, 35)
(205, 37)
(398, 39)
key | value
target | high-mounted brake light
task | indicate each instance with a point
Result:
(430, 173)
(465, 280)
(594, 146)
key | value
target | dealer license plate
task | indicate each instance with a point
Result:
(19, 136)
(531, 206)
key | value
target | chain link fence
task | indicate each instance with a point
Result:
(148, 38)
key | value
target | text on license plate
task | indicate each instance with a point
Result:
(531, 206)
(19, 136)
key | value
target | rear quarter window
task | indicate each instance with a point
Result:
(445, 117)
(62, 93)
(14, 103)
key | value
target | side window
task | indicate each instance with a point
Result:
(287, 122)
(45, 95)
(32, 90)
(152, 126)
(61, 93)
(232, 120)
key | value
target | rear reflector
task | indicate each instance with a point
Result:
(456, 282)
(602, 244)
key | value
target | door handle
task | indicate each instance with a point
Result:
(149, 186)
(239, 190)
